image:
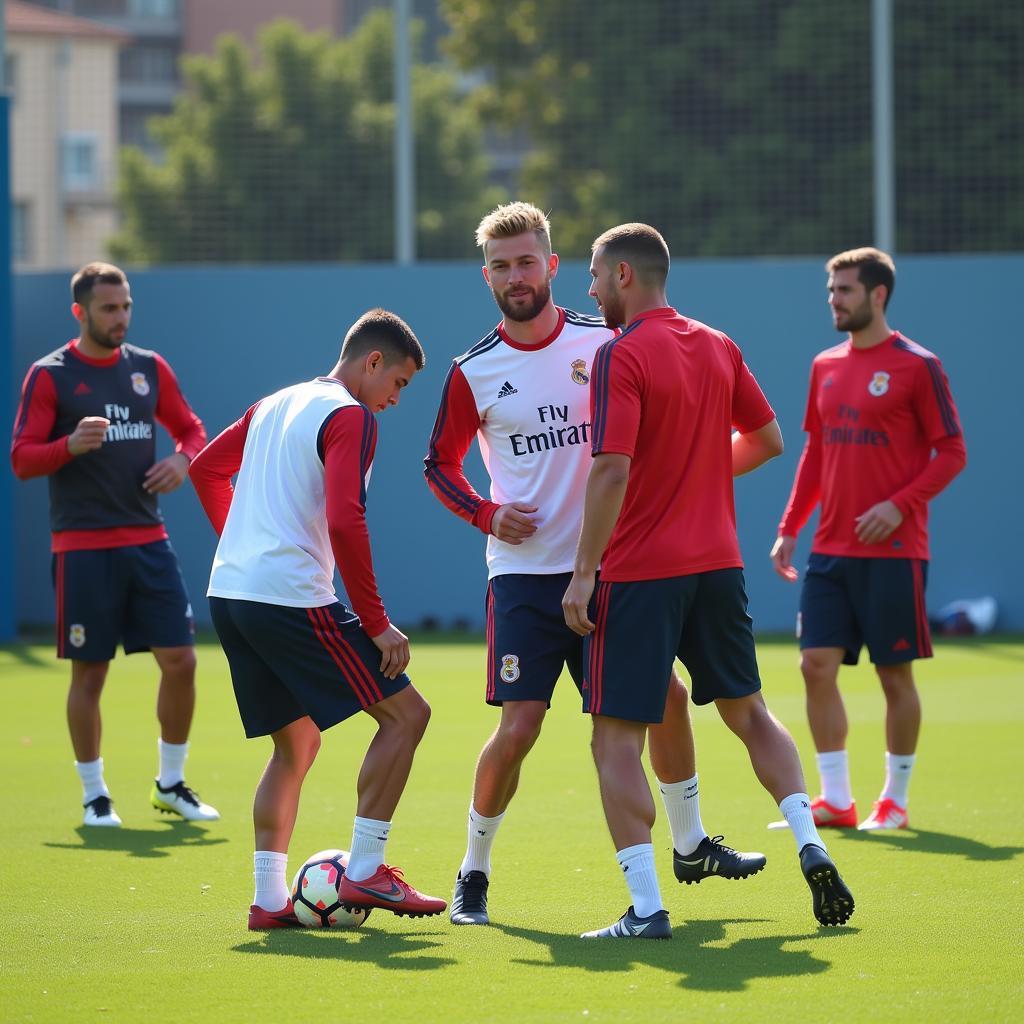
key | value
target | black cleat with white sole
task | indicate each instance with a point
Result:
(629, 926)
(713, 858)
(469, 903)
(833, 901)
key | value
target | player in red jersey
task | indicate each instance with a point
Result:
(666, 395)
(883, 438)
(86, 421)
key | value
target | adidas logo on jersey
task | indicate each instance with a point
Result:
(82, 388)
(506, 389)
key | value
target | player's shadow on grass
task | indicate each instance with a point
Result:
(141, 842)
(27, 656)
(390, 950)
(921, 841)
(690, 955)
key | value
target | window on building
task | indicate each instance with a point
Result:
(10, 82)
(162, 9)
(148, 63)
(21, 231)
(81, 170)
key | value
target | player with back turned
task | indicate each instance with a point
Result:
(522, 392)
(87, 422)
(667, 394)
(883, 439)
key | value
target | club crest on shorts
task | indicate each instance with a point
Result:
(510, 667)
(879, 384)
(76, 635)
(140, 385)
(579, 371)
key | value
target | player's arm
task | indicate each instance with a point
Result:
(176, 416)
(606, 491)
(457, 423)
(940, 423)
(756, 447)
(348, 439)
(32, 452)
(212, 469)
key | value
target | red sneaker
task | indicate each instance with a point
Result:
(885, 814)
(261, 920)
(827, 816)
(387, 889)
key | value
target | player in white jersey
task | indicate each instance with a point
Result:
(300, 661)
(523, 393)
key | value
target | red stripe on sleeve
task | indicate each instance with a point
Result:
(175, 414)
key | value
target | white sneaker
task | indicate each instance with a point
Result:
(100, 811)
(179, 799)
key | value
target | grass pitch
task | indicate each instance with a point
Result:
(147, 923)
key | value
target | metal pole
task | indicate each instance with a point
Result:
(7, 623)
(882, 124)
(405, 183)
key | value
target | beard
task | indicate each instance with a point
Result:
(103, 338)
(856, 320)
(527, 308)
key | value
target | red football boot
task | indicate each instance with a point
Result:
(261, 920)
(388, 890)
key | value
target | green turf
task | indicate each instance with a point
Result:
(147, 923)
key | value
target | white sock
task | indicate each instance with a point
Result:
(796, 809)
(834, 769)
(91, 774)
(637, 863)
(482, 831)
(897, 777)
(369, 838)
(270, 870)
(682, 805)
(172, 764)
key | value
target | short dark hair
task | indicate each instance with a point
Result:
(874, 267)
(86, 279)
(386, 331)
(639, 245)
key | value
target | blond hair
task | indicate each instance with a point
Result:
(514, 219)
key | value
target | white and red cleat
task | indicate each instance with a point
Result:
(886, 813)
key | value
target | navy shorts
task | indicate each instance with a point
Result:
(287, 663)
(642, 627)
(528, 642)
(134, 595)
(849, 602)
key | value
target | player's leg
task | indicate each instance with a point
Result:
(628, 661)
(695, 854)
(89, 599)
(897, 633)
(527, 645)
(830, 635)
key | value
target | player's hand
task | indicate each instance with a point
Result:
(782, 558)
(166, 475)
(88, 435)
(577, 601)
(878, 522)
(513, 522)
(394, 648)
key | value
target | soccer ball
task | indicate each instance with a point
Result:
(315, 893)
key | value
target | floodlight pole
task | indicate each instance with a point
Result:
(405, 184)
(882, 125)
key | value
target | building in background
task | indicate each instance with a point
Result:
(62, 74)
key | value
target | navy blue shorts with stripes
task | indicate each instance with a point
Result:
(528, 642)
(134, 595)
(643, 626)
(878, 602)
(287, 663)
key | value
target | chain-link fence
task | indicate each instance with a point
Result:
(740, 127)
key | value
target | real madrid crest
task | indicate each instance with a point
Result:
(579, 371)
(879, 384)
(510, 667)
(76, 635)
(139, 384)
